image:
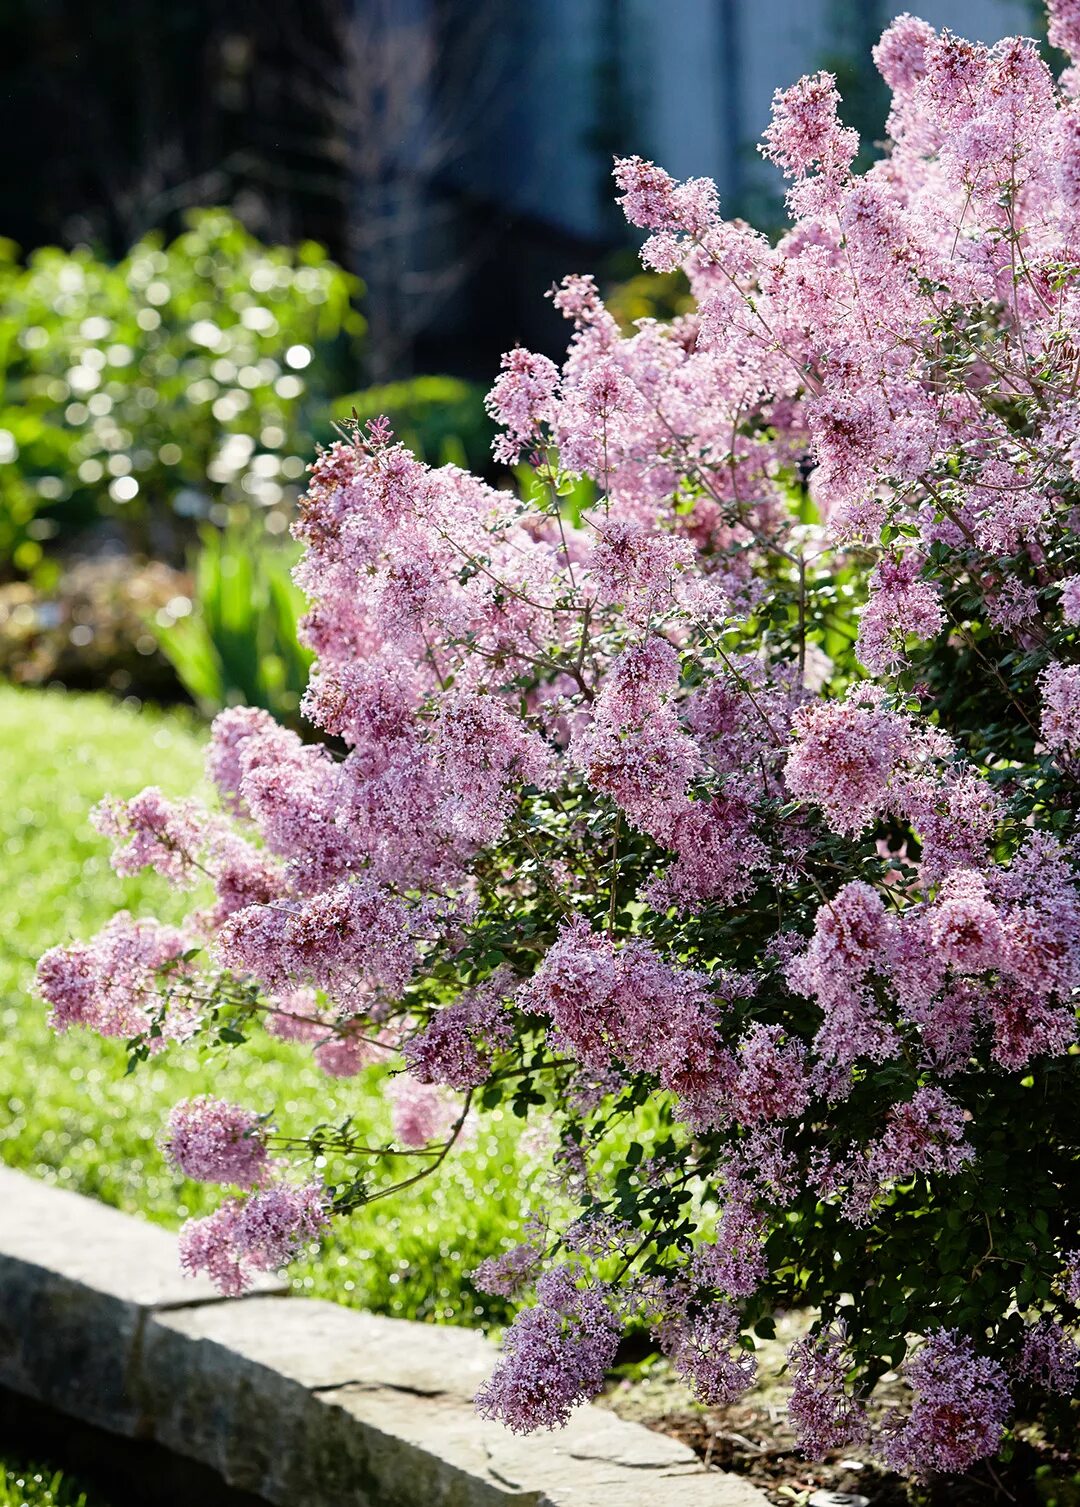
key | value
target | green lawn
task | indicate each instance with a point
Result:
(40, 1486)
(68, 1113)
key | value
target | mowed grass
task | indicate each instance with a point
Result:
(41, 1486)
(70, 1115)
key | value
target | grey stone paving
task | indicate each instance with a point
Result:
(305, 1403)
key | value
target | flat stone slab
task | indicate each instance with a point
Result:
(90, 1244)
(305, 1403)
(77, 1280)
(323, 1345)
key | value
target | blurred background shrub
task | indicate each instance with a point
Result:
(239, 644)
(186, 382)
(441, 419)
(94, 625)
(157, 418)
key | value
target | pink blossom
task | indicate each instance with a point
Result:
(151, 831)
(852, 940)
(901, 54)
(343, 1054)
(554, 1356)
(420, 1112)
(846, 426)
(577, 297)
(522, 401)
(110, 984)
(634, 748)
(645, 770)
(639, 568)
(772, 1082)
(296, 1016)
(703, 1350)
(717, 856)
(206, 1245)
(956, 815)
(825, 1414)
(242, 875)
(215, 1142)
(1026, 1025)
(959, 1411)
(844, 757)
(1060, 686)
(235, 735)
(901, 604)
(1070, 600)
(964, 925)
(1065, 26)
(924, 1135)
(261, 1233)
(506, 1274)
(357, 935)
(1050, 1358)
(604, 1003)
(272, 1226)
(485, 752)
(646, 194)
(1012, 605)
(805, 131)
(371, 705)
(1071, 1281)
(455, 1047)
(735, 1263)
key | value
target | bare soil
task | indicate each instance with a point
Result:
(752, 1438)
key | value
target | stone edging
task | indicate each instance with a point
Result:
(304, 1403)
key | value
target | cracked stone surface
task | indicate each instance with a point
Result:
(322, 1345)
(302, 1402)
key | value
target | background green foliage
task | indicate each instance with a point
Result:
(441, 419)
(187, 381)
(239, 645)
(41, 1486)
(168, 405)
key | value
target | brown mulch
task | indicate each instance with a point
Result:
(752, 1438)
(742, 1440)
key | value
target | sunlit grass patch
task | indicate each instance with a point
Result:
(70, 1115)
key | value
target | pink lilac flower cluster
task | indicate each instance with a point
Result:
(509, 1272)
(604, 1003)
(419, 1112)
(735, 788)
(457, 1044)
(111, 983)
(262, 1233)
(1071, 1282)
(703, 1347)
(1050, 1358)
(555, 1355)
(961, 1403)
(215, 1142)
(1061, 707)
(924, 1136)
(901, 605)
(151, 831)
(825, 1414)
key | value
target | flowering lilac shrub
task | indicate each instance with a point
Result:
(724, 823)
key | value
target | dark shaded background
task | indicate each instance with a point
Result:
(453, 153)
(363, 126)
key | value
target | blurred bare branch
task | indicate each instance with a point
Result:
(406, 90)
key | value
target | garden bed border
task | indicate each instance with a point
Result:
(301, 1402)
